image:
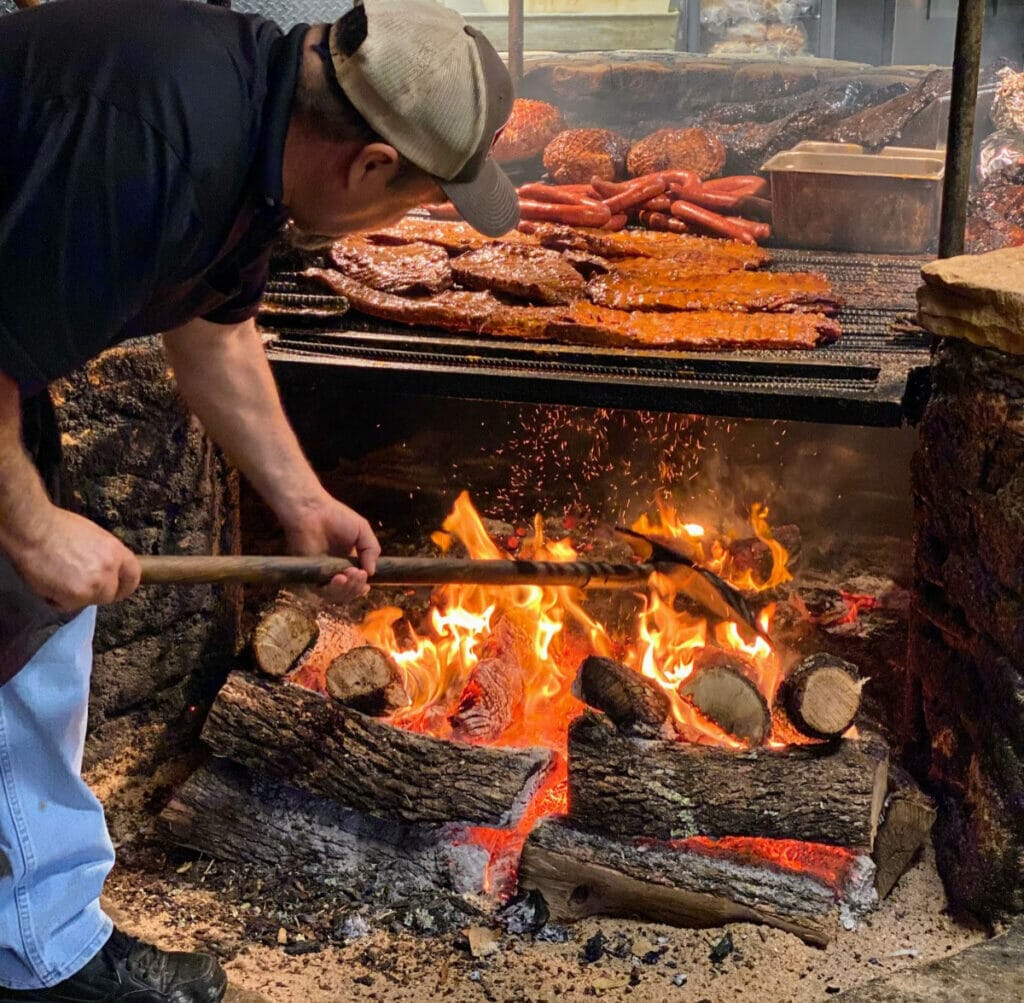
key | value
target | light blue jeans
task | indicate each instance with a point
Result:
(55, 852)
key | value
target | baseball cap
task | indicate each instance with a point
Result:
(434, 88)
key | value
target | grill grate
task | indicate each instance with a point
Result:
(876, 374)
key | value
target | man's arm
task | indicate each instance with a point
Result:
(224, 376)
(65, 559)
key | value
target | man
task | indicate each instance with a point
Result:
(152, 150)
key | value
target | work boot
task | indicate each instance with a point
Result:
(128, 969)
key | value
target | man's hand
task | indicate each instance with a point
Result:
(71, 563)
(326, 526)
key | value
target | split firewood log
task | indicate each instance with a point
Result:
(637, 705)
(907, 819)
(821, 696)
(284, 633)
(723, 690)
(494, 691)
(365, 679)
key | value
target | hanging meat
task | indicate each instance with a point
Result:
(577, 155)
(677, 150)
(532, 125)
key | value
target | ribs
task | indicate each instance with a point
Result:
(455, 238)
(744, 292)
(585, 323)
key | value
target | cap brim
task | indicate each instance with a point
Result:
(488, 203)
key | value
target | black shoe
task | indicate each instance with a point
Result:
(128, 969)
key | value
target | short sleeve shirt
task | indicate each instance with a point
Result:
(140, 172)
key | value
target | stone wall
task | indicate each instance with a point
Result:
(964, 719)
(140, 466)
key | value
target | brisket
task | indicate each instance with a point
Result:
(577, 155)
(995, 213)
(408, 268)
(883, 124)
(455, 238)
(736, 292)
(534, 274)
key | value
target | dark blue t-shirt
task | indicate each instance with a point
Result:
(141, 146)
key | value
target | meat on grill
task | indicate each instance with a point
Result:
(677, 150)
(407, 268)
(534, 274)
(749, 292)
(995, 212)
(577, 155)
(585, 323)
(728, 255)
(455, 238)
(532, 125)
(749, 144)
(883, 124)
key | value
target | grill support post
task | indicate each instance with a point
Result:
(960, 140)
(515, 41)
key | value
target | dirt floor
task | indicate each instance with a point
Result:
(290, 943)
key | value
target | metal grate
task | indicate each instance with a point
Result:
(876, 374)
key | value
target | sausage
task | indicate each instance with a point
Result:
(609, 189)
(688, 191)
(617, 222)
(590, 214)
(556, 194)
(659, 221)
(660, 203)
(742, 184)
(755, 207)
(719, 201)
(758, 230)
(712, 222)
(636, 195)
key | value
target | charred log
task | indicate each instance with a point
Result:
(494, 691)
(821, 696)
(284, 633)
(366, 680)
(297, 736)
(753, 555)
(232, 814)
(907, 820)
(722, 690)
(581, 874)
(623, 786)
(634, 703)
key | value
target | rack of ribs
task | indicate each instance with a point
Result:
(417, 267)
(534, 274)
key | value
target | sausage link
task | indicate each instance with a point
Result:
(617, 222)
(742, 184)
(712, 222)
(637, 195)
(591, 214)
(555, 194)
(661, 203)
(660, 222)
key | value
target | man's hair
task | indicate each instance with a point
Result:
(323, 106)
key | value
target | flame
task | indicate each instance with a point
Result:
(548, 632)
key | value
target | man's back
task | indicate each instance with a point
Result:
(124, 164)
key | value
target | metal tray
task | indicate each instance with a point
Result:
(866, 203)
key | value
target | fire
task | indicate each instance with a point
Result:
(547, 632)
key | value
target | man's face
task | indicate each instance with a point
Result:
(351, 196)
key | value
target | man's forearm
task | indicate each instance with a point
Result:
(23, 499)
(224, 376)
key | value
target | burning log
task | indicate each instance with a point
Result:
(821, 696)
(624, 786)
(907, 820)
(722, 690)
(297, 736)
(494, 690)
(634, 703)
(695, 884)
(754, 555)
(284, 633)
(232, 814)
(365, 679)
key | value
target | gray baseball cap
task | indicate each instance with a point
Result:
(434, 88)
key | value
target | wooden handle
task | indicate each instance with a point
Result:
(390, 571)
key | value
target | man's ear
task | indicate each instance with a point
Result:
(375, 164)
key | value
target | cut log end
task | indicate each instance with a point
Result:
(636, 705)
(283, 634)
(721, 690)
(821, 696)
(365, 679)
(494, 691)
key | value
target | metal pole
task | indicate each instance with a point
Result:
(970, 22)
(515, 41)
